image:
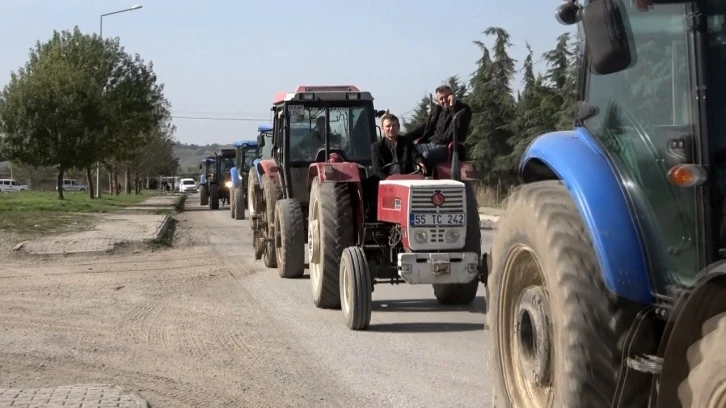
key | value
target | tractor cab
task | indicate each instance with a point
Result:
(320, 124)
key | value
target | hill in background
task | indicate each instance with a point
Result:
(191, 155)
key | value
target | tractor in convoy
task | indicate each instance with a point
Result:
(254, 178)
(312, 125)
(215, 182)
(247, 151)
(608, 281)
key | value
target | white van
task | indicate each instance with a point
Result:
(72, 185)
(187, 185)
(11, 186)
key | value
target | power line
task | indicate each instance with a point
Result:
(221, 119)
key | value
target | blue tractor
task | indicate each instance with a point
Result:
(254, 183)
(607, 283)
(247, 152)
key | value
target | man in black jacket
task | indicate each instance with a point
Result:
(438, 131)
(395, 150)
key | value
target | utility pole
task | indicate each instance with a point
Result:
(100, 33)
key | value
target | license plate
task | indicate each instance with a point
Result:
(436, 219)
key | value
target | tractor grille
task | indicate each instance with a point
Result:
(436, 235)
(454, 200)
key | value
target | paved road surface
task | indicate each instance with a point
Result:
(415, 354)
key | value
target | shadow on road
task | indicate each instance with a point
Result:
(427, 305)
(423, 327)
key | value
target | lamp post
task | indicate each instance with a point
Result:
(100, 33)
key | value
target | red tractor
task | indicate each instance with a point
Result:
(321, 134)
(426, 232)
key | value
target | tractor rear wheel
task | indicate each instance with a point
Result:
(329, 232)
(557, 332)
(271, 194)
(464, 293)
(238, 201)
(705, 386)
(289, 239)
(203, 195)
(214, 197)
(355, 288)
(253, 188)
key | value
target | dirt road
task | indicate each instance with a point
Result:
(204, 325)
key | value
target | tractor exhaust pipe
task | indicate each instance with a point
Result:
(455, 175)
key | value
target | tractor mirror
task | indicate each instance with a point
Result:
(378, 130)
(608, 36)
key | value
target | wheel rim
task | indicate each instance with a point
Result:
(278, 241)
(314, 246)
(527, 376)
(346, 293)
(250, 199)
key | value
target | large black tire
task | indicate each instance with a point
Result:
(232, 207)
(203, 195)
(464, 293)
(238, 201)
(704, 386)
(253, 194)
(271, 193)
(289, 239)
(214, 197)
(331, 211)
(355, 288)
(557, 333)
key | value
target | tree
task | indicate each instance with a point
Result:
(421, 113)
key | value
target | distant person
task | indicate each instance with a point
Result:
(437, 132)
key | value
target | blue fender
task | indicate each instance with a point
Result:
(578, 161)
(234, 175)
(256, 164)
(202, 179)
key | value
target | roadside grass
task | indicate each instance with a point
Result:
(36, 213)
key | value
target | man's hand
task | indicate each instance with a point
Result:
(450, 101)
(421, 167)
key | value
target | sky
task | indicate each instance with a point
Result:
(227, 59)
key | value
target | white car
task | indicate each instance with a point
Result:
(187, 185)
(73, 185)
(11, 186)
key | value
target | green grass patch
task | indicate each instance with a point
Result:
(34, 213)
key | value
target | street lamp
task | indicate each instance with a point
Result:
(100, 33)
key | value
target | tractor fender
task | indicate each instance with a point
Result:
(202, 179)
(575, 158)
(234, 175)
(269, 167)
(334, 172)
(255, 164)
(705, 299)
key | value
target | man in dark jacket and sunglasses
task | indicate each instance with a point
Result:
(434, 135)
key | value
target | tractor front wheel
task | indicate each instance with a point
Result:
(214, 197)
(557, 333)
(329, 233)
(232, 207)
(705, 386)
(355, 288)
(203, 195)
(289, 239)
(238, 202)
(464, 293)
(253, 196)
(271, 194)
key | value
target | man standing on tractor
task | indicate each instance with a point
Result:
(434, 136)
(390, 155)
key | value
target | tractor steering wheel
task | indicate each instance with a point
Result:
(400, 163)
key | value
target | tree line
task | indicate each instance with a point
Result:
(82, 99)
(504, 122)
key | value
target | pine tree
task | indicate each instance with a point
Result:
(420, 114)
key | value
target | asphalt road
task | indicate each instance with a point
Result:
(415, 353)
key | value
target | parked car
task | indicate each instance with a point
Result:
(11, 185)
(187, 185)
(73, 185)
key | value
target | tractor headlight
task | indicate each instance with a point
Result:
(228, 184)
(452, 236)
(421, 237)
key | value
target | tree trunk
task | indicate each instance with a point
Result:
(137, 184)
(110, 180)
(115, 180)
(89, 180)
(59, 183)
(127, 181)
(98, 187)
